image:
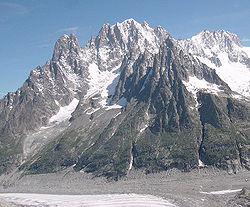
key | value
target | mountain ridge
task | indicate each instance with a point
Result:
(90, 107)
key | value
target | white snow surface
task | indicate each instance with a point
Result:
(64, 112)
(121, 103)
(194, 85)
(235, 74)
(102, 82)
(131, 161)
(105, 200)
(222, 192)
(147, 38)
(201, 164)
(246, 50)
(143, 129)
(73, 80)
(222, 45)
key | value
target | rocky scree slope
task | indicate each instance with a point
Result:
(139, 100)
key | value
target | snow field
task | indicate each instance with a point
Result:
(236, 75)
(194, 85)
(64, 112)
(105, 200)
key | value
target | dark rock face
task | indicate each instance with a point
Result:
(174, 135)
(164, 124)
(225, 143)
(30, 107)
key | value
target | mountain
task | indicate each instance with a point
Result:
(132, 98)
(223, 51)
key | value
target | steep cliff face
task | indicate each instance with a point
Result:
(225, 139)
(132, 98)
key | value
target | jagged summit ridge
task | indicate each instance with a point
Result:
(126, 37)
(66, 45)
(73, 70)
(133, 97)
(208, 44)
(225, 40)
(223, 51)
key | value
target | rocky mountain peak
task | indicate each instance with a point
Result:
(223, 51)
(223, 39)
(145, 24)
(127, 37)
(129, 21)
(65, 45)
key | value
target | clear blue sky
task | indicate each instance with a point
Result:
(30, 28)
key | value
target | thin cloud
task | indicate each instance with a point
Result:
(69, 29)
(10, 10)
(14, 8)
(245, 40)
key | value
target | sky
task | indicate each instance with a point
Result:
(30, 28)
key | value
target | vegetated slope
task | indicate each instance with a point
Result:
(139, 100)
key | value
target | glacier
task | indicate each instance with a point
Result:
(105, 200)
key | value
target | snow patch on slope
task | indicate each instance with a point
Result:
(64, 112)
(57, 123)
(146, 81)
(73, 79)
(131, 160)
(222, 192)
(201, 164)
(121, 103)
(194, 85)
(103, 83)
(235, 74)
(143, 129)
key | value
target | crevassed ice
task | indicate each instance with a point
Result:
(100, 80)
(105, 200)
(64, 112)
